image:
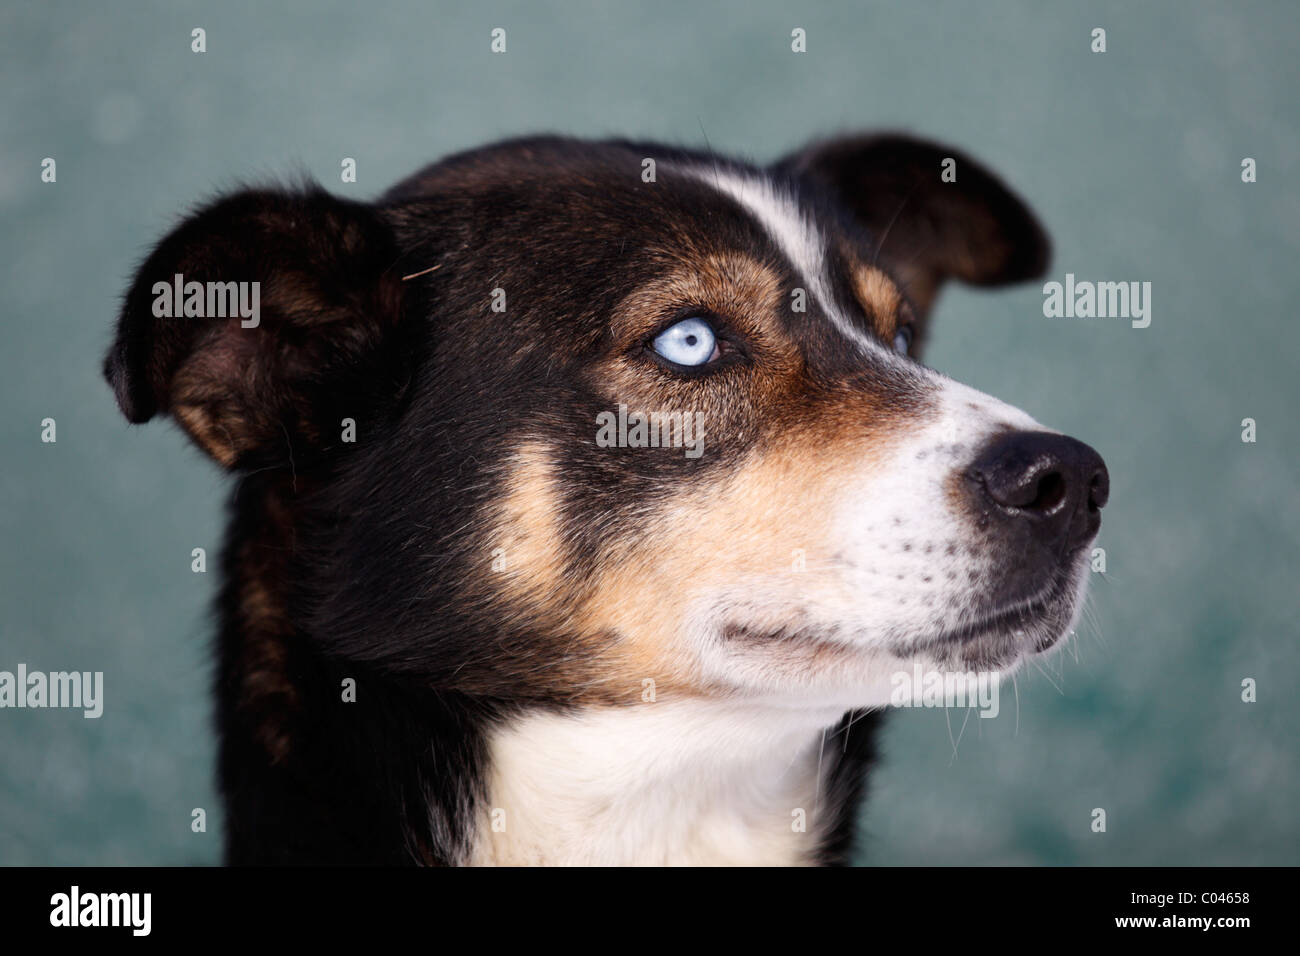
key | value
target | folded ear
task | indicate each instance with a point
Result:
(933, 212)
(260, 323)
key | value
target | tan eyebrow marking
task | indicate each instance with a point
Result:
(878, 296)
(744, 289)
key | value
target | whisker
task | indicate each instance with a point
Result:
(717, 173)
(1048, 676)
(1015, 685)
(890, 225)
(961, 733)
(817, 800)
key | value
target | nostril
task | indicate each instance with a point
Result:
(1099, 490)
(1038, 487)
(1049, 493)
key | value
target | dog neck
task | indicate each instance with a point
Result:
(685, 783)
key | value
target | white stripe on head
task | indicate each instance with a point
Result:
(796, 235)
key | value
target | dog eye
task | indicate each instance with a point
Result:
(903, 339)
(688, 342)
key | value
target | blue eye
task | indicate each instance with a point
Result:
(688, 342)
(903, 340)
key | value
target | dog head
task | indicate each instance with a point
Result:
(564, 420)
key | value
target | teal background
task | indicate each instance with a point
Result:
(1132, 158)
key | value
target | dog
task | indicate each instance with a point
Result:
(589, 494)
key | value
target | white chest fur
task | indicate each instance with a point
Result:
(685, 783)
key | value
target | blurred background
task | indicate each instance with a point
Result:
(1131, 157)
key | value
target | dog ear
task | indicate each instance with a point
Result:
(260, 323)
(926, 229)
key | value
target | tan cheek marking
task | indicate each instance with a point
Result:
(745, 525)
(879, 297)
(526, 531)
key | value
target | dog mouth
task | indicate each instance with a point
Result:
(994, 639)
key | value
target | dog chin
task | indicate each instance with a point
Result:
(1000, 642)
(1001, 638)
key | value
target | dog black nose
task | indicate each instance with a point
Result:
(1051, 484)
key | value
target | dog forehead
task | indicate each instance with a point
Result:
(591, 189)
(618, 215)
(846, 301)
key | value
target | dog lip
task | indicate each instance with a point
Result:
(1024, 615)
(1016, 617)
